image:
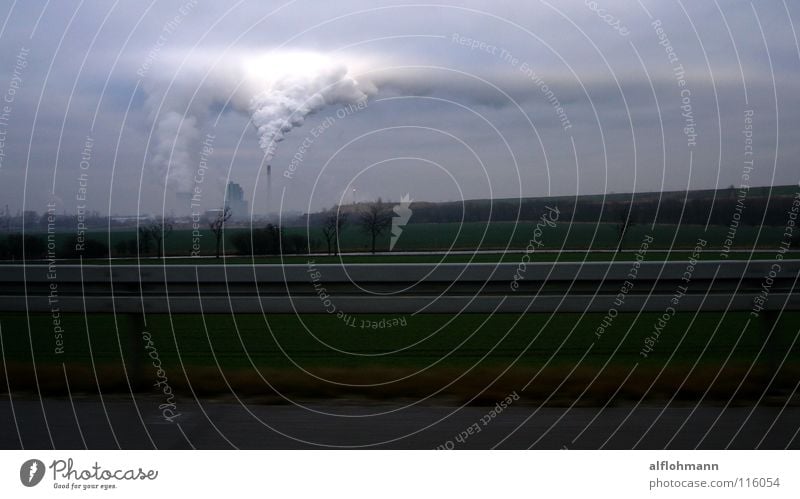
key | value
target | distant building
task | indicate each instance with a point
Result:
(129, 219)
(234, 199)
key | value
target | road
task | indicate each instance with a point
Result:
(122, 422)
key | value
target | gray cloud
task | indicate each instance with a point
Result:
(85, 77)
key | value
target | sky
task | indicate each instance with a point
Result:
(115, 106)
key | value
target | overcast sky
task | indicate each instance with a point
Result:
(468, 99)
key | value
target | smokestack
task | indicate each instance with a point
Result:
(269, 187)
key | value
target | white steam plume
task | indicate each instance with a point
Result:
(276, 91)
(294, 85)
(175, 135)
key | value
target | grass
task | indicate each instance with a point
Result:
(510, 257)
(462, 357)
(488, 236)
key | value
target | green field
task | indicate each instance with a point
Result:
(485, 236)
(432, 353)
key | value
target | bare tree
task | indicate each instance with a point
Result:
(331, 228)
(218, 225)
(144, 240)
(375, 219)
(160, 230)
(624, 222)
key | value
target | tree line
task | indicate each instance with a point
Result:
(150, 241)
(644, 209)
(374, 219)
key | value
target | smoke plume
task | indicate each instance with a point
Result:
(294, 86)
(175, 135)
(276, 91)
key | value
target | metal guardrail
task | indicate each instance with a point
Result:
(402, 288)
